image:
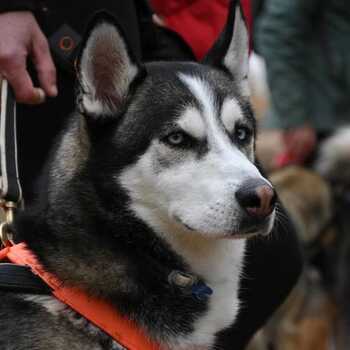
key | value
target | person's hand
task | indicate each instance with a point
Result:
(20, 37)
(299, 143)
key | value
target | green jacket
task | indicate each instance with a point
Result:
(306, 45)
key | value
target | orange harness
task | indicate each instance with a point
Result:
(100, 313)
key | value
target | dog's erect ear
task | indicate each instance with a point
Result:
(106, 68)
(231, 50)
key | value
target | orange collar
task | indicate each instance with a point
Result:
(99, 312)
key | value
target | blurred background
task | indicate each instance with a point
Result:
(299, 78)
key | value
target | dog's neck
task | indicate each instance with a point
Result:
(218, 262)
(207, 257)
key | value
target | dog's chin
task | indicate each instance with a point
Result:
(243, 232)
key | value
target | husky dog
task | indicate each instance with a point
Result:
(153, 176)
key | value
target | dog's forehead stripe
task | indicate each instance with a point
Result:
(192, 122)
(231, 112)
(203, 93)
(210, 111)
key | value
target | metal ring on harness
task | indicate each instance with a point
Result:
(5, 234)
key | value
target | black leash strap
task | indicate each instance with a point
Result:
(20, 279)
(13, 278)
(10, 186)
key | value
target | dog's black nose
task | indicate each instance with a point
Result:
(257, 198)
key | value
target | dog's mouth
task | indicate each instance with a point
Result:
(246, 229)
(181, 222)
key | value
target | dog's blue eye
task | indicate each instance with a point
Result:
(176, 138)
(242, 134)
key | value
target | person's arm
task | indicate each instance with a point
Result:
(21, 38)
(282, 38)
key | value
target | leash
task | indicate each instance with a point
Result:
(13, 278)
(64, 44)
(10, 187)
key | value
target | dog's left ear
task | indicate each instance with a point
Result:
(231, 50)
(106, 68)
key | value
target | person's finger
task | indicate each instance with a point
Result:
(44, 64)
(22, 84)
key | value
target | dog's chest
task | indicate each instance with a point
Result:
(219, 265)
(221, 269)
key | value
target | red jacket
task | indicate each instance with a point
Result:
(198, 22)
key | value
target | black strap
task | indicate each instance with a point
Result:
(20, 279)
(10, 186)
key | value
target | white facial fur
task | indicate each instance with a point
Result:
(192, 121)
(230, 113)
(195, 193)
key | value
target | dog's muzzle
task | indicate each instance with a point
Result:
(258, 200)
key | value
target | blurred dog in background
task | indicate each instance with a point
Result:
(317, 313)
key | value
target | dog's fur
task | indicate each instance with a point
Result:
(143, 182)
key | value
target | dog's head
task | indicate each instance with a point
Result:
(177, 138)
